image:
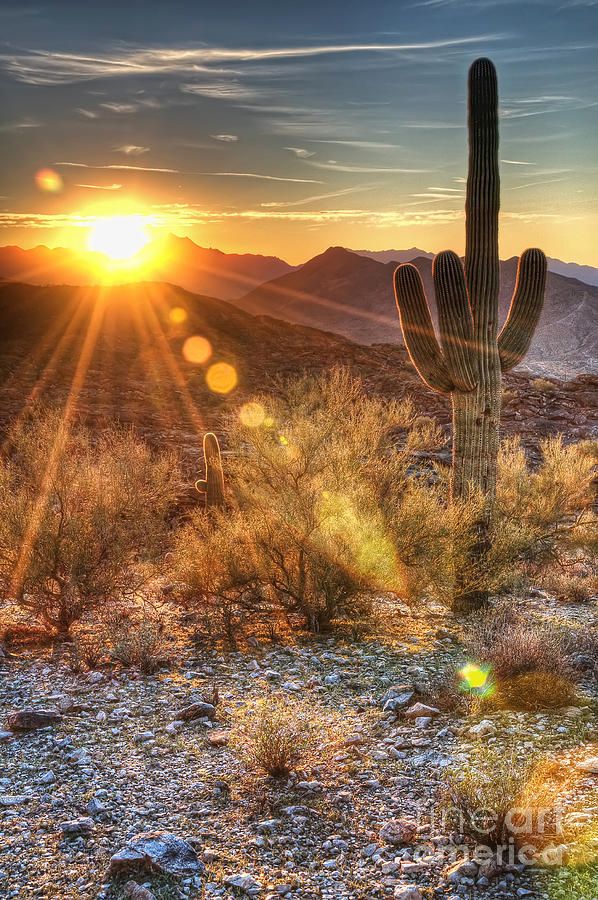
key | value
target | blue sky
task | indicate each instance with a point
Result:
(285, 128)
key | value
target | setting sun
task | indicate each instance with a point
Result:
(119, 237)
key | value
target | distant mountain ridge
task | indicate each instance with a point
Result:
(352, 295)
(172, 259)
(587, 274)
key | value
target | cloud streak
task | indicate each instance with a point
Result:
(42, 67)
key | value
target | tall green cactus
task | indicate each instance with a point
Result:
(468, 362)
(213, 484)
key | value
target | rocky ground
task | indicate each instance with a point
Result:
(357, 820)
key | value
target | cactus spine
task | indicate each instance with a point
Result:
(213, 484)
(468, 362)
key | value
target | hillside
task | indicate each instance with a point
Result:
(352, 295)
(173, 259)
(118, 356)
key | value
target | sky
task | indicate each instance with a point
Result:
(284, 128)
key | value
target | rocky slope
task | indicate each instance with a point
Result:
(115, 354)
(353, 296)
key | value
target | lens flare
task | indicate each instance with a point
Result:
(222, 378)
(252, 414)
(476, 680)
(177, 315)
(119, 237)
(197, 349)
(49, 181)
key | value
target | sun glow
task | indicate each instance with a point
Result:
(120, 238)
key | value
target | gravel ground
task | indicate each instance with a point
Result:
(116, 760)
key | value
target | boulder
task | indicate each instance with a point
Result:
(407, 892)
(156, 851)
(589, 765)
(28, 719)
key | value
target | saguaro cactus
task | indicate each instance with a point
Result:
(468, 362)
(213, 484)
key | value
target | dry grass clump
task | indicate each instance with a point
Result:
(138, 644)
(479, 799)
(528, 661)
(571, 586)
(274, 734)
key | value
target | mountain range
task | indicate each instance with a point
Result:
(342, 291)
(352, 295)
(173, 259)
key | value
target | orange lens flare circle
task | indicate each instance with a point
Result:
(177, 315)
(222, 378)
(197, 349)
(252, 414)
(49, 181)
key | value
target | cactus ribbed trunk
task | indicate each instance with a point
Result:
(476, 415)
(472, 354)
(212, 486)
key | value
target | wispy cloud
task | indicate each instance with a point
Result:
(87, 113)
(101, 187)
(306, 200)
(221, 90)
(301, 152)
(120, 108)
(78, 165)
(42, 67)
(517, 162)
(543, 105)
(374, 145)
(372, 170)
(225, 138)
(20, 125)
(258, 175)
(131, 149)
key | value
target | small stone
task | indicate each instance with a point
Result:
(218, 738)
(135, 891)
(407, 892)
(465, 868)
(29, 719)
(420, 709)
(483, 728)
(156, 851)
(398, 831)
(244, 882)
(77, 827)
(589, 765)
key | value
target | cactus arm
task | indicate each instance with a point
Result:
(526, 305)
(454, 318)
(418, 330)
(202, 485)
(482, 201)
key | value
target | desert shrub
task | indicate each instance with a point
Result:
(274, 734)
(543, 518)
(137, 643)
(316, 470)
(500, 795)
(528, 660)
(83, 520)
(571, 586)
(215, 566)
(544, 385)
(89, 650)
(550, 509)
(515, 644)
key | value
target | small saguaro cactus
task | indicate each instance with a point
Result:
(472, 353)
(213, 484)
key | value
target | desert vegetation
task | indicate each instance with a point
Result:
(333, 665)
